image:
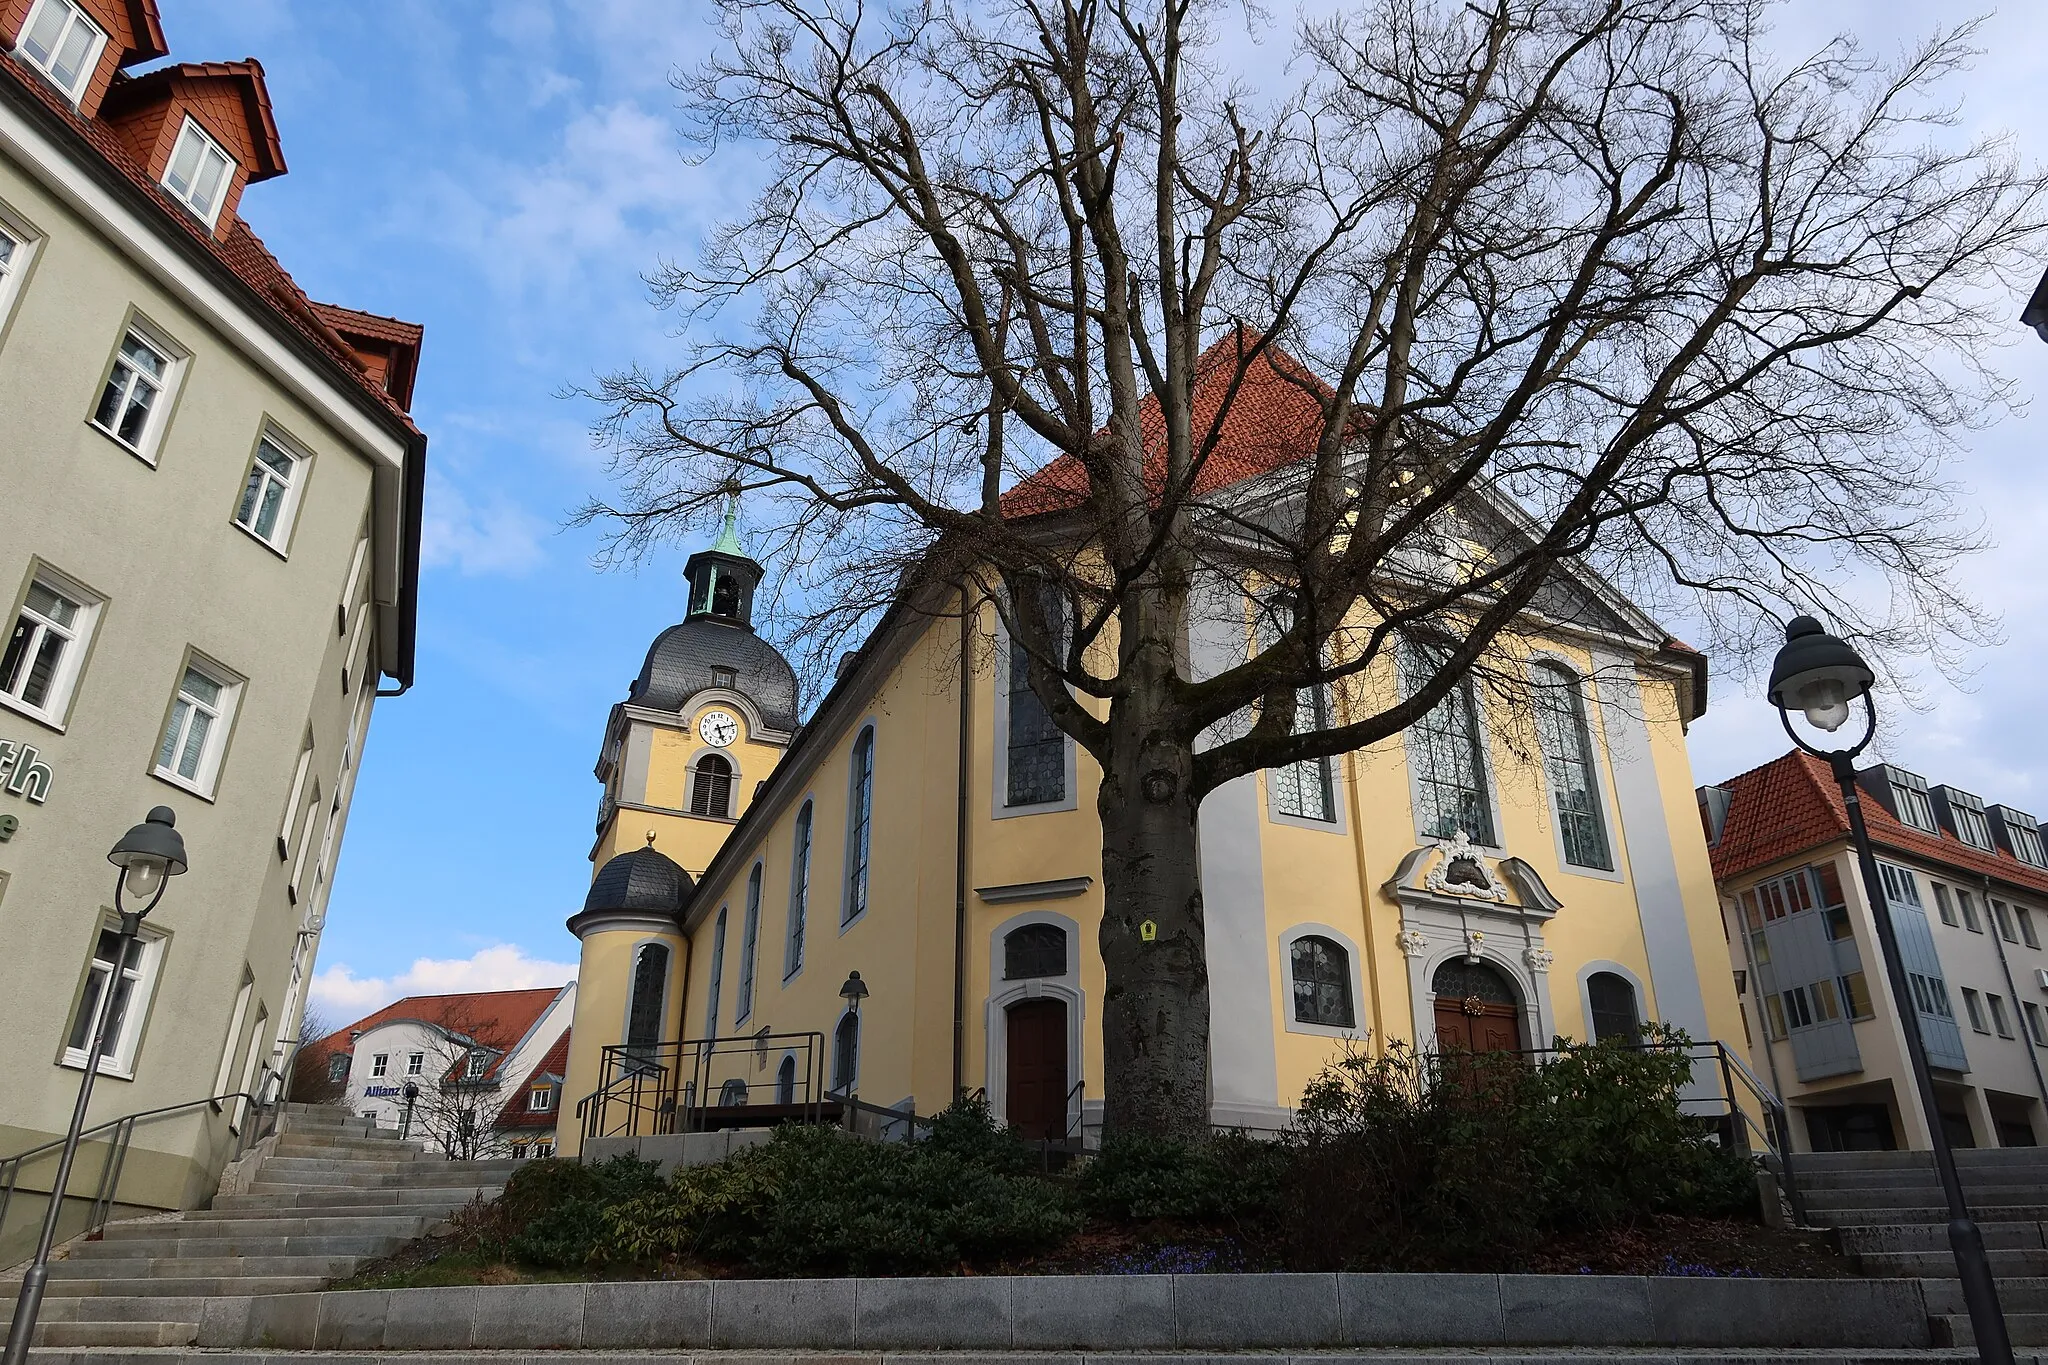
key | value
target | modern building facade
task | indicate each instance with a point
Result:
(1486, 879)
(209, 568)
(1967, 888)
(484, 1069)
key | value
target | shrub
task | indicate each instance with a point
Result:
(1225, 1177)
(553, 1212)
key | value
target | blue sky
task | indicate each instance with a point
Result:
(504, 172)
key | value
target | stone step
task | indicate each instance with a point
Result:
(1940, 1265)
(289, 1167)
(171, 1286)
(2025, 1329)
(342, 1223)
(1934, 1237)
(1934, 1214)
(1922, 1175)
(339, 1203)
(1965, 1157)
(371, 1148)
(1406, 1355)
(2016, 1294)
(426, 1178)
(205, 1268)
(106, 1334)
(1921, 1196)
(238, 1248)
(148, 1308)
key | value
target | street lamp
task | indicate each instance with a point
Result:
(148, 855)
(412, 1094)
(853, 991)
(1823, 676)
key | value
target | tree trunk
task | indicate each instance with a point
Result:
(1155, 1016)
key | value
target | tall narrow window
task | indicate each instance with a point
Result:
(860, 801)
(785, 1081)
(1322, 983)
(846, 1053)
(650, 991)
(1568, 759)
(1303, 789)
(46, 647)
(14, 254)
(717, 975)
(1449, 763)
(199, 172)
(135, 386)
(234, 1041)
(269, 494)
(799, 893)
(197, 730)
(63, 44)
(1611, 1000)
(750, 940)
(711, 786)
(1037, 749)
(131, 989)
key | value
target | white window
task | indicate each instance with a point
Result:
(380, 1064)
(271, 493)
(1568, 759)
(234, 1042)
(542, 1150)
(197, 732)
(349, 663)
(348, 592)
(540, 1099)
(293, 802)
(199, 172)
(1966, 817)
(130, 1006)
(46, 648)
(16, 246)
(1910, 799)
(2022, 835)
(62, 43)
(479, 1062)
(132, 404)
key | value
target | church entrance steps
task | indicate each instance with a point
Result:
(143, 1355)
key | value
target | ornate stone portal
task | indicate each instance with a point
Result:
(1458, 904)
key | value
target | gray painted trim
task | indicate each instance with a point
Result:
(1354, 964)
(1586, 971)
(1002, 994)
(999, 745)
(1056, 889)
(633, 776)
(1243, 1068)
(1603, 772)
(1652, 860)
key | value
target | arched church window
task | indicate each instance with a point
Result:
(1034, 950)
(1612, 1000)
(1462, 980)
(846, 1053)
(1568, 760)
(732, 1093)
(1322, 982)
(1446, 751)
(717, 974)
(785, 1081)
(799, 893)
(650, 987)
(711, 786)
(860, 810)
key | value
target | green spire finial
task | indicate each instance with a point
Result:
(728, 541)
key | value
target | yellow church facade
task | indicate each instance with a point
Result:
(1482, 880)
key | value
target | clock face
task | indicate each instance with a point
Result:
(719, 727)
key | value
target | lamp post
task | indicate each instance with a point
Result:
(148, 855)
(412, 1094)
(1822, 676)
(853, 991)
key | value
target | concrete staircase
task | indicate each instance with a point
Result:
(1888, 1210)
(334, 1192)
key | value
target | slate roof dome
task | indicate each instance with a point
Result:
(645, 881)
(680, 663)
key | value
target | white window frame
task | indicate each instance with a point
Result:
(298, 877)
(280, 537)
(120, 1059)
(380, 1065)
(208, 214)
(356, 637)
(540, 1099)
(355, 578)
(999, 714)
(213, 751)
(415, 1063)
(1911, 800)
(95, 48)
(14, 269)
(149, 441)
(56, 705)
(292, 803)
(1349, 946)
(233, 1046)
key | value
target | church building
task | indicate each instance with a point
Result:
(898, 898)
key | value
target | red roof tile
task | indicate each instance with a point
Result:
(494, 1019)
(236, 247)
(515, 1114)
(1273, 420)
(1792, 805)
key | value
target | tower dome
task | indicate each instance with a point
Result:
(645, 882)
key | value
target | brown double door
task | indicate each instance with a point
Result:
(1036, 1099)
(1475, 1009)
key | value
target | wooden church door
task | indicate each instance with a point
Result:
(1475, 1010)
(1036, 1098)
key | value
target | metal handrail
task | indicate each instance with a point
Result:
(671, 1087)
(122, 1130)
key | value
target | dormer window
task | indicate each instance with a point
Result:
(540, 1099)
(2022, 835)
(1910, 799)
(59, 41)
(199, 173)
(1966, 816)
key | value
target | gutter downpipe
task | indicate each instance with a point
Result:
(960, 850)
(2012, 993)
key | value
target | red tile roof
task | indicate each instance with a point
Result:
(1792, 805)
(494, 1019)
(1273, 419)
(515, 1114)
(236, 247)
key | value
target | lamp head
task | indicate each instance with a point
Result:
(1818, 674)
(149, 854)
(855, 989)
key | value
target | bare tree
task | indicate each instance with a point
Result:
(1562, 286)
(311, 1081)
(461, 1089)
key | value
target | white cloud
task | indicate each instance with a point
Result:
(490, 536)
(342, 995)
